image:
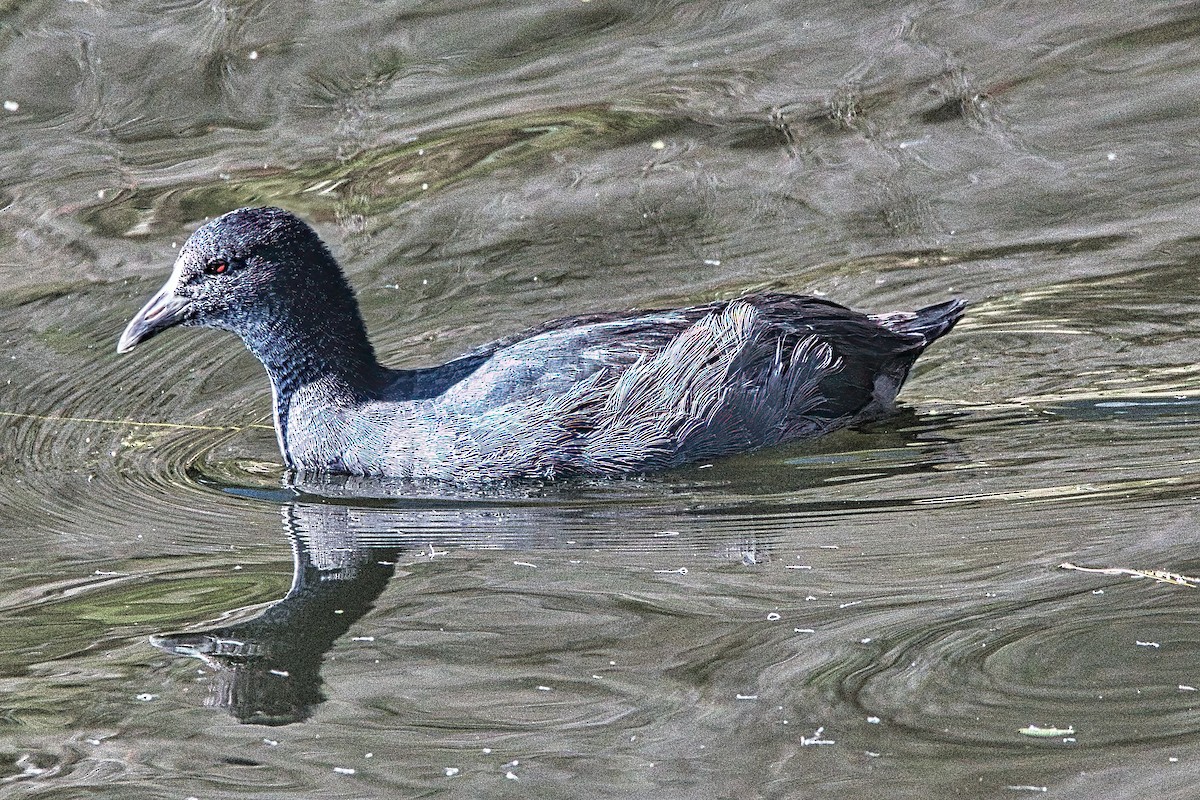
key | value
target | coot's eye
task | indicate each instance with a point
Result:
(217, 267)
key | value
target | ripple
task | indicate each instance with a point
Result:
(1116, 670)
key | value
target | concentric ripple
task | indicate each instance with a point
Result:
(1097, 668)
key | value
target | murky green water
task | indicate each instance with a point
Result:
(880, 613)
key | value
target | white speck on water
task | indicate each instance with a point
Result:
(282, 673)
(1021, 788)
(363, 639)
(93, 742)
(773, 617)
(869, 754)
(797, 566)
(658, 144)
(746, 697)
(253, 55)
(1112, 156)
(12, 105)
(512, 776)
(486, 750)
(1172, 759)
(598, 677)
(524, 564)
(830, 547)
(421, 152)
(804, 630)
(368, 755)
(339, 611)
(1183, 687)
(424, 186)
(1147, 644)
(680, 571)
(450, 771)
(344, 770)
(1097, 591)
(713, 262)
(874, 720)
(851, 603)
(544, 689)
(271, 742)
(867, 640)
(146, 697)
(237, 567)
(816, 738)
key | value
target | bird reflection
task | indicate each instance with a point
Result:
(267, 669)
(347, 534)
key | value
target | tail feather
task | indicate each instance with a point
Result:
(932, 322)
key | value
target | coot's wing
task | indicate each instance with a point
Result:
(551, 360)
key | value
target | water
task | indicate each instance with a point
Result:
(880, 613)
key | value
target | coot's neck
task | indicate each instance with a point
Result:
(319, 347)
(326, 350)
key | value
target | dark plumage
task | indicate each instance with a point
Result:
(600, 394)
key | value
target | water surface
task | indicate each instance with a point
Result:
(881, 612)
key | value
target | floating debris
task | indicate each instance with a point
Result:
(1046, 733)
(1160, 575)
(816, 738)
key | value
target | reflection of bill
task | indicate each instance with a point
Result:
(268, 667)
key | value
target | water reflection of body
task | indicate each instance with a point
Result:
(268, 667)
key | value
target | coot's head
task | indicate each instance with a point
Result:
(252, 271)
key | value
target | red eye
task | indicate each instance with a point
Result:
(217, 268)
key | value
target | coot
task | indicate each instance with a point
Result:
(598, 394)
